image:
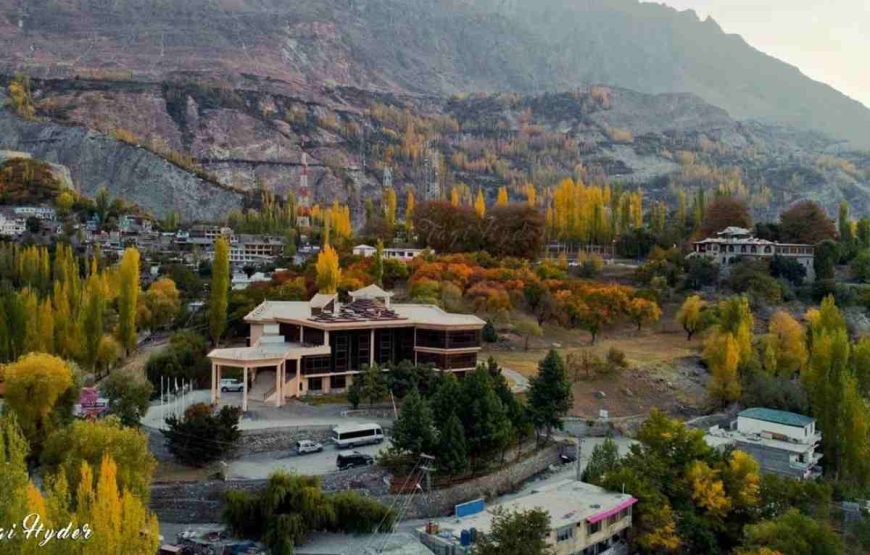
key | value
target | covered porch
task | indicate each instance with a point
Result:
(265, 355)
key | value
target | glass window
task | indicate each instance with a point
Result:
(594, 528)
(565, 533)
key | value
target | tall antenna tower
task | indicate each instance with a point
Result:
(388, 178)
(304, 192)
(432, 187)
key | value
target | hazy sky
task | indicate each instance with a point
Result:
(829, 40)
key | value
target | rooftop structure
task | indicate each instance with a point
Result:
(394, 253)
(782, 442)
(733, 244)
(583, 519)
(317, 346)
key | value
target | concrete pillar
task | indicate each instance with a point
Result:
(245, 389)
(213, 383)
(219, 373)
(278, 385)
(372, 348)
(299, 378)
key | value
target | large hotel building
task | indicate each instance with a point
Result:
(319, 346)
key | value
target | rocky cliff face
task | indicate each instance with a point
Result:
(421, 46)
(131, 173)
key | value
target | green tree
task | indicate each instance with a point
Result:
(516, 533)
(452, 452)
(128, 298)
(447, 397)
(527, 329)
(201, 435)
(14, 478)
(861, 265)
(550, 393)
(373, 384)
(794, 534)
(604, 458)
(845, 224)
(219, 292)
(378, 264)
(484, 419)
(129, 394)
(414, 431)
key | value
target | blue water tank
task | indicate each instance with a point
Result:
(465, 538)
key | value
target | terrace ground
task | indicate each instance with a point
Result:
(664, 369)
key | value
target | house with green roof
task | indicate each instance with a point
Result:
(782, 442)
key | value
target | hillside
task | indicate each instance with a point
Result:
(421, 46)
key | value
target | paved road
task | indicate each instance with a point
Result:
(259, 466)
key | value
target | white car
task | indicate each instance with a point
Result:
(307, 446)
(232, 385)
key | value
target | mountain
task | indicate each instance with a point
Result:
(439, 47)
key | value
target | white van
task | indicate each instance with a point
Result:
(357, 434)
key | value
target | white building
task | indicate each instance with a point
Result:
(39, 212)
(395, 253)
(11, 224)
(241, 280)
(584, 519)
(735, 243)
(782, 442)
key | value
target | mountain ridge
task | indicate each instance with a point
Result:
(425, 47)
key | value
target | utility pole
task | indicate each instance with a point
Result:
(577, 460)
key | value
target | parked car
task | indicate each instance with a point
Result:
(232, 385)
(351, 459)
(307, 446)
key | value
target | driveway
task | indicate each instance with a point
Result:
(259, 466)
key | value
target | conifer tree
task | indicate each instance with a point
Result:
(452, 452)
(414, 431)
(550, 393)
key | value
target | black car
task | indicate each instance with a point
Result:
(351, 459)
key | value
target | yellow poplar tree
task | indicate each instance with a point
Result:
(454, 196)
(34, 383)
(480, 204)
(502, 198)
(785, 345)
(128, 297)
(29, 301)
(531, 194)
(390, 206)
(723, 357)
(689, 315)
(328, 270)
(46, 327)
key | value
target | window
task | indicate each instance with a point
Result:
(315, 384)
(565, 533)
(595, 527)
(338, 382)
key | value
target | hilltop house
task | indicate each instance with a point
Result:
(584, 519)
(782, 442)
(735, 243)
(317, 346)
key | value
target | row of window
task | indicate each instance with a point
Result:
(567, 532)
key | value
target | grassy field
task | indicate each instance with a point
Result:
(663, 368)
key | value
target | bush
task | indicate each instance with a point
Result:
(488, 333)
(185, 358)
(788, 269)
(861, 266)
(356, 514)
(752, 277)
(202, 436)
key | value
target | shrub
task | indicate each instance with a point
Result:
(488, 333)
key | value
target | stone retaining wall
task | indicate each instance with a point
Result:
(193, 502)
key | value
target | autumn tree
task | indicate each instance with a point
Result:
(128, 297)
(378, 264)
(725, 211)
(689, 315)
(160, 304)
(328, 270)
(34, 386)
(513, 230)
(722, 357)
(527, 329)
(643, 311)
(806, 222)
(784, 350)
(479, 204)
(793, 533)
(502, 198)
(447, 228)
(219, 290)
(67, 449)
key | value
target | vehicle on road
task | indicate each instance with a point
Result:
(357, 434)
(352, 459)
(306, 446)
(232, 385)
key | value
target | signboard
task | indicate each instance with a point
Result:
(90, 403)
(470, 508)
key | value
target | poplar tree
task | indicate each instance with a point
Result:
(328, 270)
(128, 298)
(378, 266)
(220, 286)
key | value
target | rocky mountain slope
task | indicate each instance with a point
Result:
(94, 160)
(423, 47)
(244, 139)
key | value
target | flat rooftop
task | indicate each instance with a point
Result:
(777, 417)
(271, 312)
(567, 502)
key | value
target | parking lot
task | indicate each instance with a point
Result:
(261, 465)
